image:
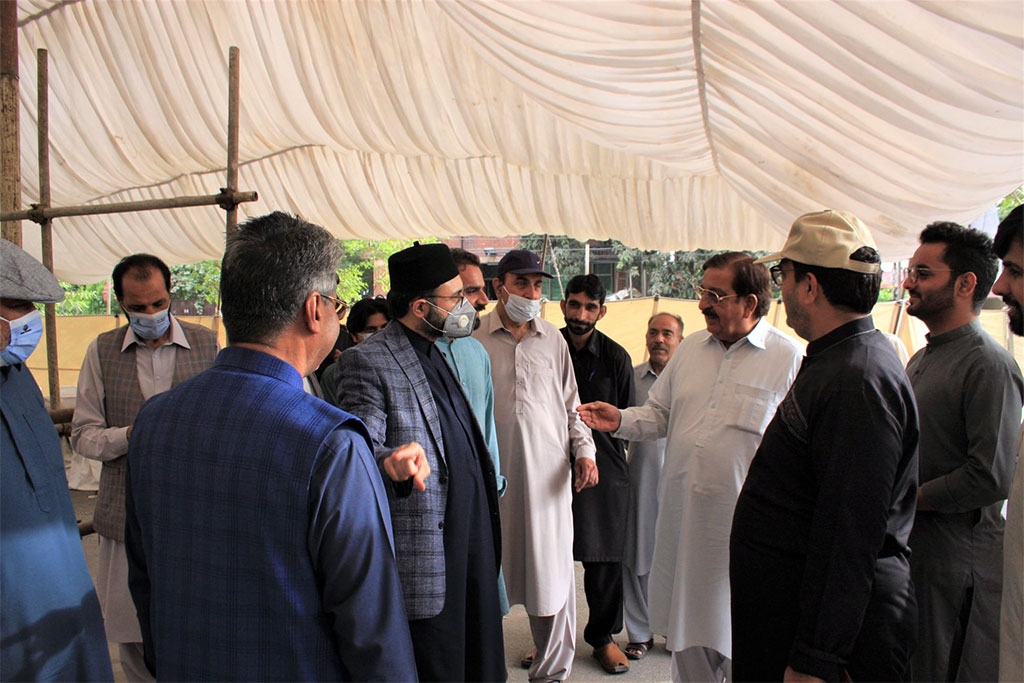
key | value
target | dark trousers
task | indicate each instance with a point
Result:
(464, 642)
(602, 583)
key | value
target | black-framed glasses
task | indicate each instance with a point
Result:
(339, 304)
(714, 297)
(777, 274)
(917, 273)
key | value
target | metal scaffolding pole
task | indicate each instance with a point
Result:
(43, 133)
(42, 213)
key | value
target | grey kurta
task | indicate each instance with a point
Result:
(969, 393)
(645, 460)
(535, 401)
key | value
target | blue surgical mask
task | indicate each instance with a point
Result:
(459, 322)
(26, 332)
(520, 309)
(150, 325)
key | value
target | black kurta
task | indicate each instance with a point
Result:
(604, 372)
(471, 613)
(819, 562)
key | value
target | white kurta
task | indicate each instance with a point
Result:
(645, 460)
(535, 401)
(712, 404)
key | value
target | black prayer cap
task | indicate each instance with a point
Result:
(421, 267)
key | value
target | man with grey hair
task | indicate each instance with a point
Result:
(52, 628)
(258, 532)
(664, 332)
(713, 401)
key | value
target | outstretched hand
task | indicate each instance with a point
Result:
(408, 461)
(604, 417)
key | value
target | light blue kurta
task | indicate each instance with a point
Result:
(472, 367)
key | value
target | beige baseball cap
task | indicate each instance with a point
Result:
(827, 239)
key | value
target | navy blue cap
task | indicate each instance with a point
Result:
(521, 262)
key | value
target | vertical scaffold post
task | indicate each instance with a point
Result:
(233, 111)
(46, 227)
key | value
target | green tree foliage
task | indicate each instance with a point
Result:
(356, 274)
(197, 282)
(1010, 202)
(82, 299)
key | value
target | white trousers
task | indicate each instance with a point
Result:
(555, 639)
(634, 606)
(701, 665)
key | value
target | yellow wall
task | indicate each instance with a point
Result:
(626, 323)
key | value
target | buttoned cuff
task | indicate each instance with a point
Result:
(824, 665)
(627, 422)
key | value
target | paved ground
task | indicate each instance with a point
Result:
(655, 667)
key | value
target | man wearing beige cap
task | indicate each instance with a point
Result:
(819, 562)
(52, 628)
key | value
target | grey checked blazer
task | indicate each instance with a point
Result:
(382, 382)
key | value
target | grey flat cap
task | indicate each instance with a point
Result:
(24, 278)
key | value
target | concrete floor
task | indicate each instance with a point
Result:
(654, 667)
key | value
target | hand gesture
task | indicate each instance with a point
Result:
(604, 417)
(586, 473)
(408, 461)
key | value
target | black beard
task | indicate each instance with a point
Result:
(1016, 316)
(578, 327)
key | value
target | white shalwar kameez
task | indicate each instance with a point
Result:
(535, 401)
(712, 404)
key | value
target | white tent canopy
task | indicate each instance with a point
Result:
(666, 125)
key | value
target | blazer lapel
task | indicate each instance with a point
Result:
(406, 359)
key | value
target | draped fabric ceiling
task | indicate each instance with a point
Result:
(664, 124)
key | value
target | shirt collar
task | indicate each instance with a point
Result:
(417, 340)
(177, 336)
(593, 345)
(757, 336)
(844, 331)
(646, 369)
(492, 323)
(973, 327)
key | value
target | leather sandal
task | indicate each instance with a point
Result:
(611, 659)
(638, 650)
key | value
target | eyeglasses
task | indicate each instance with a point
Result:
(777, 274)
(714, 297)
(339, 304)
(916, 273)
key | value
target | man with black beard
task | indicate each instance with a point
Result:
(472, 367)
(1009, 246)
(448, 532)
(969, 391)
(604, 372)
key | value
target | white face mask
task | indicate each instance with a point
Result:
(458, 322)
(520, 309)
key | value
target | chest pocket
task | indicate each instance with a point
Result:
(753, 408)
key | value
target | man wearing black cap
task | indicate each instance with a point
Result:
(52, 628)
(447, 532)
(542, 440)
